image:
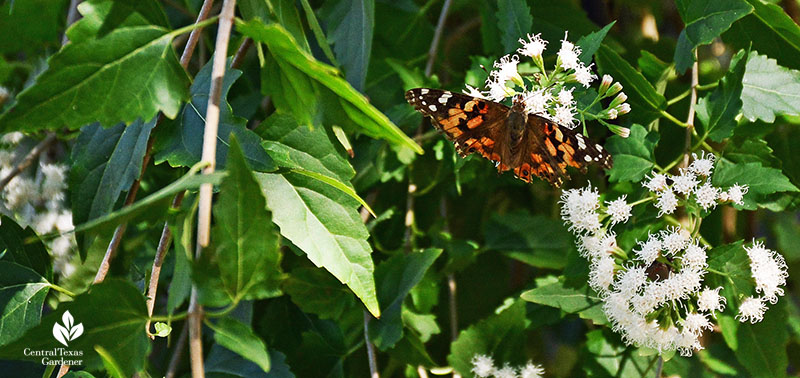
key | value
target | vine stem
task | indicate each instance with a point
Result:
(690, 117)
(373, 360)
(660, 364)
(209, 156)
(437, 35)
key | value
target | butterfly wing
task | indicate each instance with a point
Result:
(551, 148)
(473, 124)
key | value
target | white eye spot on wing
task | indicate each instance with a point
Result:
(432, 108)
(599, 147)
(587, 158)
(423, 91)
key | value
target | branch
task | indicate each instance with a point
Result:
(176, 357)
(690, 117)
(209, 156)
(437, 35)
(238, 58)
(25, 163)
(194, 37)
(373, 361)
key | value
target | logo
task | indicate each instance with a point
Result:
(69, 331)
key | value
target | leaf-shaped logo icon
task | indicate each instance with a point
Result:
(69, 331)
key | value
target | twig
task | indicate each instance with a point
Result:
(194, 36)
(659, 366)
(373, 361)
(25, 163)
(209, 156)
(72, 16)
(62, 371)
(176, 357)
(437, 35)
(241, 53)
(690, 117)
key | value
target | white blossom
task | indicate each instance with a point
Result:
(707, 195)
(619, 210)
(498, 90)
(601, 273)
(623, 108)
(695, 323)
(710, 300)
(13, 138)
(752, 309)
(768, 269)
(656, 183)
(684, 183)
(565, 116)
(584, 75)
(531, 370)
(506, 372)
(537, 102)
(474, 92)
(482, 365)
(612, 113)
(533, 47)
(578, 209)
(734, 194)
(568, 54)
(695, 257)
(674, 239)
(649, 250)
(666, 202)
(565, 97)
(703, 165)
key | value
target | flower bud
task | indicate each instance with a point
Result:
(621, 97)
(605, 84)
(619, 130)
(625, 108)
(614, 89)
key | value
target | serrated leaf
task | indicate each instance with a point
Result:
(180, 142)
(317, 292)
(591, 42)
(762, 346)
(514, 21)
(350, 27)
(751, 150)
(113, 315)
(23, 247)
(617, 359)
(105, 162)
(370, 121)
(769, 30)
(240, 338)
(760, 180)
(34, 24)
(247, 243)
(633, 156)
(324, 223)
(286, 13)
(641, 95)
(395, 277)
(717, 112)
(704, 20)
(769, 89)
(22, 293)
(501, 335)
(582, 301)
(510, 233)
(226, 363)
(130, 73)
(99, 17)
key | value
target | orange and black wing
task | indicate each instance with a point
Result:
(473, 124)
(551, 148)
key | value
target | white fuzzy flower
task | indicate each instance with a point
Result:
(533, 47)
(482, 365)
(498, 90)
(565, 97)
(707, 195)
(709, 300)
(684, 183)
(630, 281)
(619, 210)
(666, 202)
(769, 270)
(55, 177)
(601, 273)
(64, 221)
(752, 309)
(674, 239)
(584, 75)
(61, 246)
(45, 223)
(568, 54)
(694, 257)
(531, 370)
(656, 183)
(536, 102)
(734, 194)
(578, 209)
(649, 250)
(565, 116)
(703, 165)
(474, 92)
(696, 323)
(19, 192)
(506, 68)
(506, 372)
(13, 138)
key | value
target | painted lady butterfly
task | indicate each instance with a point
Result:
(527, 144)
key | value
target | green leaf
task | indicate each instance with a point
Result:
(22, 293)
(113, 315)
(641, 95)
(769, 89)
(514, 21)
(591, 42)
(286, 13)
(99, 17)
(751, 150)
(510, 233)
(324, 223)
(761, 180)
(582, 301)
(317, 292)
(633, 156)
(222, 362)
(180, 142)
(162, 329)
(153, 205)
(181, 283)
(762, 346)
(281, 46)
(350, 27)
(111, 365)
(247, 243)
(34, 24)
(130, 73)
(705, 20)
(105, 162)
(395, 277)
(500, 335)
(617, 359)
(769, 30)
(731, 259)
(717, 111)
(23, 247)
(240, 338)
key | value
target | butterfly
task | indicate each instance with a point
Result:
(515, 140)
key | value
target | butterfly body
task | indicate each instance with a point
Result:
(526, 144)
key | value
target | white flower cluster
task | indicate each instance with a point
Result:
(549, 95)
(38, 200)
(693, 183)
(655, 296)
(483, 366)
(769, 270)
